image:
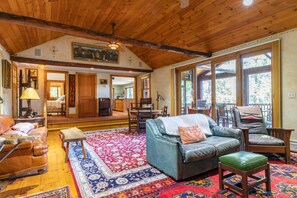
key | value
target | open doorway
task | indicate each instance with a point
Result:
(56, 93)
(123, 93)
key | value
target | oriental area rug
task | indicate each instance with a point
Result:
(62, 192)
(116, 166)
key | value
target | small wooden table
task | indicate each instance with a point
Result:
(72, 135)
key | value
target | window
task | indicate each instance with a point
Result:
(130, 93)
(55, 92)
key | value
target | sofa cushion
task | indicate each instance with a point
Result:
(222, 145)
(169, 125)
(197, 151)
(191, 134)
(5, 123)
(262, 139)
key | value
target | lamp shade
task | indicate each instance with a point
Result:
(30, 93)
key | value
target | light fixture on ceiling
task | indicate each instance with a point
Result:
(248, 2)
(112, 44)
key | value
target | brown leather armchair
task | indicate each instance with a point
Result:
(29, 153)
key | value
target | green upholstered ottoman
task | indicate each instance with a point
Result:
(245, 164)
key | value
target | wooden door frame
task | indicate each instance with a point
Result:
(77, 94)
(178, 72)
(66, 86)
(127, 76)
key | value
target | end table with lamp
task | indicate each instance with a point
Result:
(29, 94)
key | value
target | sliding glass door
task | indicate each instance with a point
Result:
(256, 80)
(249, 77)
(225, 81)
(186, 90)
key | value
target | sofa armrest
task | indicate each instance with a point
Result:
(162, 152)
(227, 132)
(39, 148)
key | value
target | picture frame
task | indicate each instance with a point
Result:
(94, 53)
(33, 77)
(6, 74)
(103, 81)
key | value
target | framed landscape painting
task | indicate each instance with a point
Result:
(94, 53)
(6, 74)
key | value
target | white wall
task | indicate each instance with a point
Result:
(160, 82)
(6, 94)
(63, 48)
(103, 91)
(289, 81)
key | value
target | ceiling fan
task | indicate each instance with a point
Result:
(184, 3)
(113, 44)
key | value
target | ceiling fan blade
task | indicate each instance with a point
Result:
(184, 3)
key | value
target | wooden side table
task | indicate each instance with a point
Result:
(39, 120)
(72, 135)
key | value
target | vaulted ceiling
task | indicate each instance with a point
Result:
(206, 25)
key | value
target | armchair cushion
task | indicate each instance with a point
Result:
(251, 118)
(263, 139)
(222, 145)
(196, 151)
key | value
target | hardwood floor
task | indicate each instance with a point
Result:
(58, 174)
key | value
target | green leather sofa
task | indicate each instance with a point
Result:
(181, 161)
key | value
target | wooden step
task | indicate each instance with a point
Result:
(89, 126)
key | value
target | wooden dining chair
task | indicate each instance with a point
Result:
(143, 114)
(132, 121)
(192, 110)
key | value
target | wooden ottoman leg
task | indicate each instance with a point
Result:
(83, 149)
(221, 185)
(244, 182)
(67, 148)
(267, 175)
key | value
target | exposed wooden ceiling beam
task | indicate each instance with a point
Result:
(71, 64)
(86, 33)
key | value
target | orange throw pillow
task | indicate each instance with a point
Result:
(191, 134)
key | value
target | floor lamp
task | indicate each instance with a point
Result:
(29, 94)
(159, 97)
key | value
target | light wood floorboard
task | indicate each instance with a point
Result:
(58, 174)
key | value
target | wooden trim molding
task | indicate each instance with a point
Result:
(72, 64)
(276, 85)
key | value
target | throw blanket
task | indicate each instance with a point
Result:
(172, 123)
(250, 113)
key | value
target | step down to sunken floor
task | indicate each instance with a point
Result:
(87, 125)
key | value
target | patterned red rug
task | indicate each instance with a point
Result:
(116, 167)
(62, 192)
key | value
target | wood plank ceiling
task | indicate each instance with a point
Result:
(206, 25)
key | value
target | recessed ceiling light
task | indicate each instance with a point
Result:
(248, 2)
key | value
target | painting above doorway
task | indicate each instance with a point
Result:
(94, 53)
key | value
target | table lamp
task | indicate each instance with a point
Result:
(29, 94)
